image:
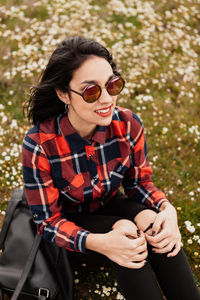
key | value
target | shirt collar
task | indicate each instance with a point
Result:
(75, 141)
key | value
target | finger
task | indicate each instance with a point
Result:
(148, 237)
(141, 234)
(162, 243)
(157, 238)
(157, 223)
(135, 246)
(133, 265)
(148, 232)
(150, 240)
(130, 253)
(139, 241)
(153, 240)
(131, 234)
(175, 251)
(131, 237)
(140, 256)
(141, 248)
(136, 241)
(165, 249)
(161, 236)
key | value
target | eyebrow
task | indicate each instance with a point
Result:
(93, 81)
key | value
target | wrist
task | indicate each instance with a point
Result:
(167, 206)
(94, 241)
(164, 205)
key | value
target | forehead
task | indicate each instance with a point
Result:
(94, 68)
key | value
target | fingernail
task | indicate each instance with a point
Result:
(138, 232)
(153, 233)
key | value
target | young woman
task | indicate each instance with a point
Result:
(81, 149)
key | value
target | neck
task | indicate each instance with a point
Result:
(86, 131)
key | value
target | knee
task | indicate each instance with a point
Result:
(144, 218)
(121, 223)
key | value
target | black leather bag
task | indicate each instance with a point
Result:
(30, 267)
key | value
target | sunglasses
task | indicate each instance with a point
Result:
(92, 92)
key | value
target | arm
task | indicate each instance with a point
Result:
(138, 184)
(42, 197)
(137, 181)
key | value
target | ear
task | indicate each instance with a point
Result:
(63, 96)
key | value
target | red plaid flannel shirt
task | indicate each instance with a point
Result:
(59, 164)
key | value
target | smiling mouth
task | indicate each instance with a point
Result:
(104, 112)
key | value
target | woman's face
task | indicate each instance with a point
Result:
(84, 116)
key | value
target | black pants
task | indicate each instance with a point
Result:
(160, 275)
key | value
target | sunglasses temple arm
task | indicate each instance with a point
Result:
(76, 92)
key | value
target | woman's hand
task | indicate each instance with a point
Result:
(166, 232)
(122, 244)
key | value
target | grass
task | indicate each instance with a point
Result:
(156, 46)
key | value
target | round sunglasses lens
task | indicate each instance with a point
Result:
(91, 93)
(115, 86)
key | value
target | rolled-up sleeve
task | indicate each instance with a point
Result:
(42, 197)
(137, 181)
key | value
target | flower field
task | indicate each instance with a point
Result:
(156, 45)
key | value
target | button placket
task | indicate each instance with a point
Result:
(92, 165)
(90, 152)
(35, 216)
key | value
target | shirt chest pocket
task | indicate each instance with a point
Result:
(71, 186)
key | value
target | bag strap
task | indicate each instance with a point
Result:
(16, 198)
(27, 268)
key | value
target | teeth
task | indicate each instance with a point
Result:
(103, 111)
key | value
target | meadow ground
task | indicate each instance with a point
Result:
(156, 45)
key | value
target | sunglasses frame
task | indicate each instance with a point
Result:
(82, 94)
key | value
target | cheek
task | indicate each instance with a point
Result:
(82, 107)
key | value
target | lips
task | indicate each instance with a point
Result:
(104, 112)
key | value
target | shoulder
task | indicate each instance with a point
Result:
(127, 116)
(43, 132)
(126, 123)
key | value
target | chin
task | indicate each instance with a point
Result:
(105, 122)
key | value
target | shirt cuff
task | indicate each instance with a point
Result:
(80, 240)
(161, 201)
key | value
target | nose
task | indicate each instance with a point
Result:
(105, 96)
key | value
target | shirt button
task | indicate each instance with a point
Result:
(35, 216)
(69, 188)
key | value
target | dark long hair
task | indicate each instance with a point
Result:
(68, 57)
